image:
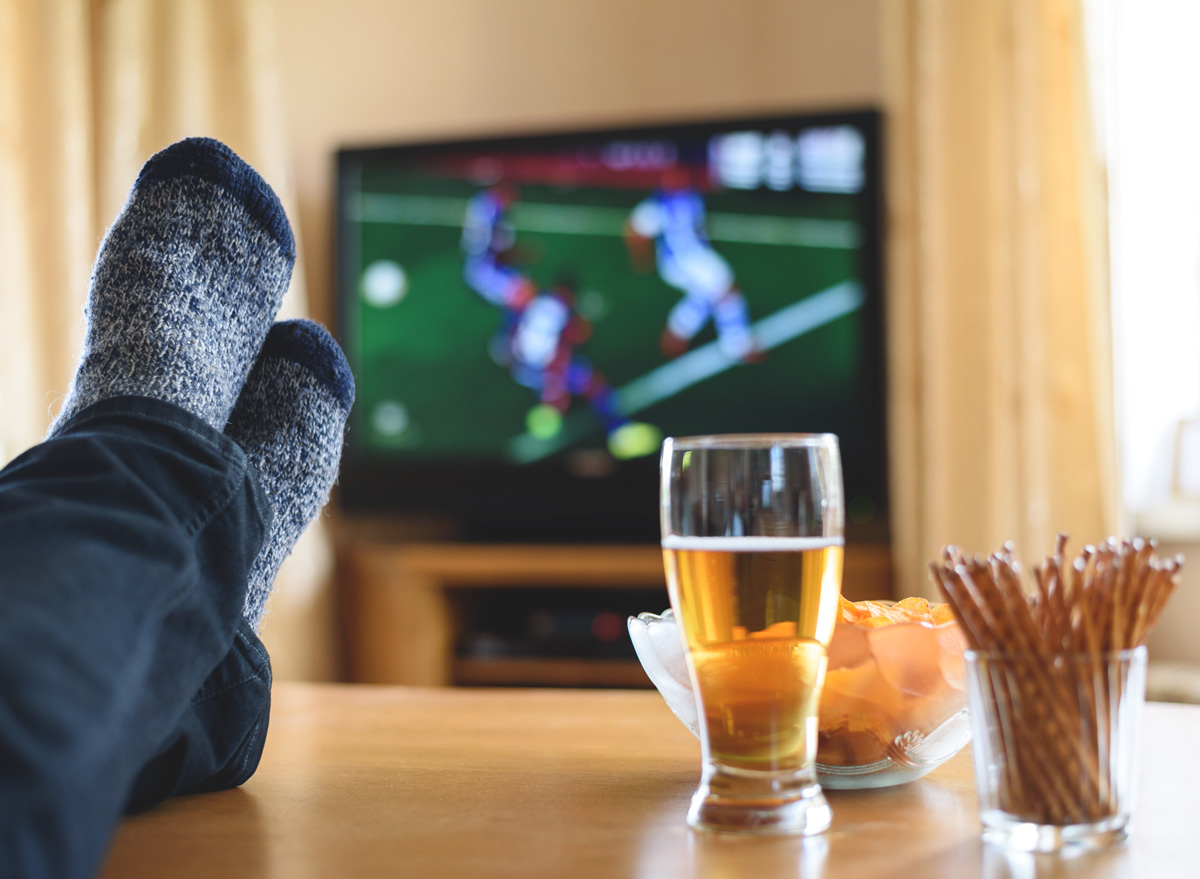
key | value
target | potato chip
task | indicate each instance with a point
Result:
(849, 612)
(917, 607)
(875, 622)
(942, 613)
(872, 614)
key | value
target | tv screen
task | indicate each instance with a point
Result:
(528, 317)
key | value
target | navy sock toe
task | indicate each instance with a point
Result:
(290, 420)
(309, 345)
(206, 159)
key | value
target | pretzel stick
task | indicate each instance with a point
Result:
(1040, 603)
(1145, 573)
(1068, 609)
(1168, 586)
(1055, 587)
(1123, 611)
(1140, 611)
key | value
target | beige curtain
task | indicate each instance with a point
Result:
(88, 91)
(1001, 400)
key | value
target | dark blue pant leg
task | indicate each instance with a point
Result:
(219, 739)
(125, 543)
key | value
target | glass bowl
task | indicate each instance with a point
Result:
(893, 707)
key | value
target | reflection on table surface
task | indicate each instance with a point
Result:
(389, 781)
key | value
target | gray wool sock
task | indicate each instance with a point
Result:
(185, 285)
(290, 420)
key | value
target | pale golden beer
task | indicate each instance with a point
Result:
(752, 535)
(757, 613)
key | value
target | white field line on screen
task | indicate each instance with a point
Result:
(702, 363)
(750, 544)
(431, 210)
(706, 361)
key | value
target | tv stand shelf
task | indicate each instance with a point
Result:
(401, 622)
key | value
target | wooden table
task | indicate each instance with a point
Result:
(365, 781)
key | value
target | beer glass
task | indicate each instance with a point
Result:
(752, 537)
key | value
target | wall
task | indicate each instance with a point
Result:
(361, 72)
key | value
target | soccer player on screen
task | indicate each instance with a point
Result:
(487, 245)
(672, 220)
(541, 355)
(539, 332)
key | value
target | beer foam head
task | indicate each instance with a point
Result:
(754, 543)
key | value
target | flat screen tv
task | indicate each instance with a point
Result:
(527, 317)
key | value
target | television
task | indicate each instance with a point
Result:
(528, 316)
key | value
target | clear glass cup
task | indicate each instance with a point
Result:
(752, 537)
(1055, 744)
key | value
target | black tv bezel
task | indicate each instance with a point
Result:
(544, 502)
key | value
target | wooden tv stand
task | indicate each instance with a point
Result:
(400, 623)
